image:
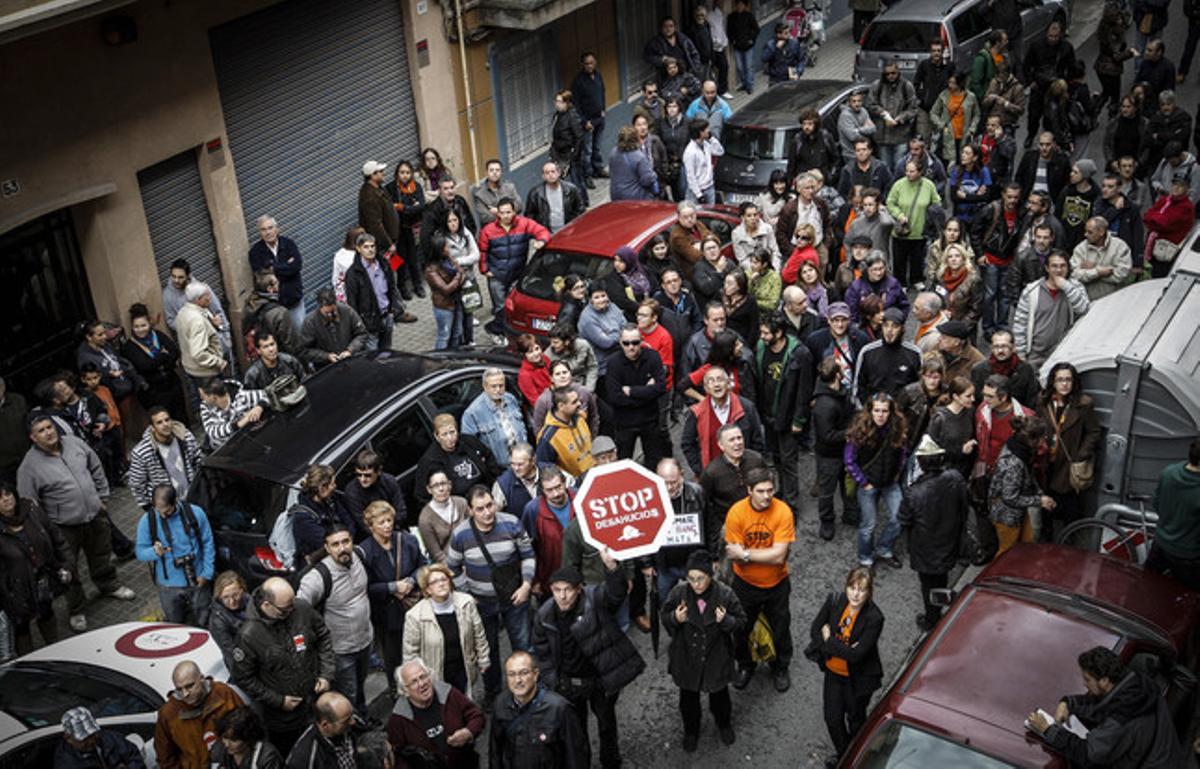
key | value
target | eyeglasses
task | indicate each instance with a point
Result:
(803, 239)
(631, 342)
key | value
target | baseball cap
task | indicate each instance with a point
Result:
(602, 444)
(371, 166)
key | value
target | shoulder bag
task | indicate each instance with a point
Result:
(1081, 474)
(506, 578)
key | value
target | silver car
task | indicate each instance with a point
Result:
(903, 32)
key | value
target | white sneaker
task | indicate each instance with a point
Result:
(727, 95)
(78, 623)
(122, 593)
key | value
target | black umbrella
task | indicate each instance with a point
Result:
(655, 608)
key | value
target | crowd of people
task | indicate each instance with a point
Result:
(841, 329)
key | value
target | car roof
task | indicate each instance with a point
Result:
(604, 229)
(281, 447)
(1153, 599)
(780, 105)
(932, 11)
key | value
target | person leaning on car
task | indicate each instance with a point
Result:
(283, 659)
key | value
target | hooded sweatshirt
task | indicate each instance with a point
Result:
(1177, 501)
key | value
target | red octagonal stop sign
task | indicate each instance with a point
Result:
(624, 507)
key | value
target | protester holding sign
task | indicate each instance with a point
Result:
(687, 533)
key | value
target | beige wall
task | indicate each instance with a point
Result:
(89, 114)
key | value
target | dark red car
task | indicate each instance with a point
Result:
(586, 247)
(1008, 645)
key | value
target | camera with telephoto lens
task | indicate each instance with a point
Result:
(188, 564)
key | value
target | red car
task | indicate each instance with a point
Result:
(586, 247)
(1008, 645)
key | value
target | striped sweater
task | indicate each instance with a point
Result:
(506, 542)
(221, 423)
(147, 469)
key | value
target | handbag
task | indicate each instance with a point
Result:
(506, 579)
(285, 392)
(1080, 474)
(904, 230)
(413, 596)
(471, 295)
(1163, 250)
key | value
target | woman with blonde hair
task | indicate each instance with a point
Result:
(228, 612)
(959, 285)
(444, 629)
(935, 261)
(391, 557)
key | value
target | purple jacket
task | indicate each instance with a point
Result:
(892, 293)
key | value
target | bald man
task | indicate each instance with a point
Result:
(283, 682)
(188, 721)
(331, 741)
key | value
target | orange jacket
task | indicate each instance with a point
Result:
(183, 735)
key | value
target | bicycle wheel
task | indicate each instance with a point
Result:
(1097, 536)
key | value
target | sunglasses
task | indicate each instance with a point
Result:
(631, 343)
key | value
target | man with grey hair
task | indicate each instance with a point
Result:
(928, 310)
(200, 349)
(280, 255)
(518, 484)
(495, 416)
(434, 716)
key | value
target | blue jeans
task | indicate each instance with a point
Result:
(665, 579)
(592, 158)
(890, 153)
(516, 623)
(745, 68)
(868, 506)
(383, 339)
(449, 328)
(176, 601)
(708, 195)
(297, 315)
(995, 303)
(350, 671)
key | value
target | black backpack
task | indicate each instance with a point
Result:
(326, 578)
(189, 526)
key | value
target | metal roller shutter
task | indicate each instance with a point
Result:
(311, 90)
(177, 214)
(637, 22)
(526, 80)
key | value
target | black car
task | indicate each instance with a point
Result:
(758, 138)
(384, 400)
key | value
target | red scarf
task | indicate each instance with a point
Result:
(1005, 367)
(952, 280)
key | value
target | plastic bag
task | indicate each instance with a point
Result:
(762, 643)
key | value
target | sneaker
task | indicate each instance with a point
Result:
(783, 681)
(475, 322)
(122, 593)
(690, 742)
(892, 560)
(827, 530)
(78, 623)
(727, 95)
(407, 317)
(500, 340)
(741, 679)
(727, 735)
(591, 185)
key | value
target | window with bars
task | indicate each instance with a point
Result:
(526, 74)
(637, 22)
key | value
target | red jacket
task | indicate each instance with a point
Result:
(1171, 218)
(802, 254)
(660, 341)
(533, 380)
(457, 712)
(547, 537)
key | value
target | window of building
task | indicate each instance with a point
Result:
(525, 72)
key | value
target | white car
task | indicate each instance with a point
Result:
(122, 673)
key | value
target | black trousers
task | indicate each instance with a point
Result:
(845, 712)
(718, 703)
(1185, 571)
(929, 582)
(772, 602)
(1110, 93)
(604, 706)
(908, 257)
(391, 649)
(831, 473)
(784, 449)
(653, 449)
(1037, 106)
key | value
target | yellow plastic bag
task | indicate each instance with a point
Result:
(762, 643)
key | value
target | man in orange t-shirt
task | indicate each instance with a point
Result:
(759, 531)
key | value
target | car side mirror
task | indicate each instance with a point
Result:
(942, 596)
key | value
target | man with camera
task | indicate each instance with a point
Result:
(175, 538)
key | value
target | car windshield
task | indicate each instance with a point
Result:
(37, 695)
(752, 143)
(544, 276)
(238, 502)
(900, 36)
(900, 746)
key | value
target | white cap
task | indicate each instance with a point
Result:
(371, 166)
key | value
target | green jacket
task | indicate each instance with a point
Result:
(983, 69)
(1177, 501)
(766, 290)
(940, 116)
(900, 202)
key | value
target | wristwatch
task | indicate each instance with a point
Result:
(745, 556)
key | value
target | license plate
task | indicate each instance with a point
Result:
(906, 64)
(738, 197)
(543, 324)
